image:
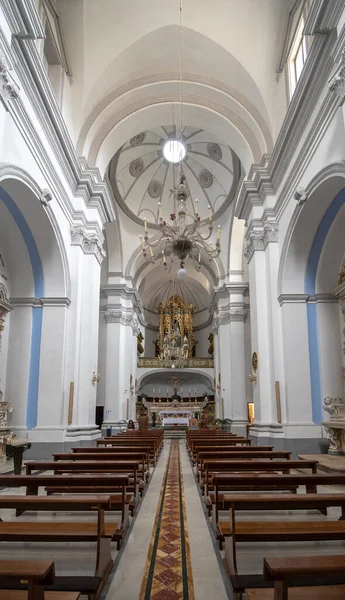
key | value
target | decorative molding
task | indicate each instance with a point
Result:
(45, 197)
(258, 239)
(89, 243)
(86, 182)
(124, 292)
(306, 298)
(124, 317)
(193, 363)
(5, 303)
(9, 90)
(337, 81)
(52, 301)
(300, 196)
(238, 314)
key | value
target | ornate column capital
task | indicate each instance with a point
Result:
(89, 243)
(238, 314)
(215, 325)
(259, 238)
(9, 90)
(337, 82)
(123, 317)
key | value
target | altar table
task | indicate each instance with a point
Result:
(175, 421)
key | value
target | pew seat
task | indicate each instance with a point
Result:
(29, 579)
(329, 592)
(23, 595)
(289, 573)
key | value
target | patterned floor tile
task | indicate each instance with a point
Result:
(168, 572)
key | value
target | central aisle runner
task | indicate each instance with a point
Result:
(168, 571)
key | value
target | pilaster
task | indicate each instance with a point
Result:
(122, 327)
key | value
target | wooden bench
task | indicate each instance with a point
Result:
(74, 484)
(127, 445)
(36, 574)
(130, 468)
(141, 457)
(222, 442)
(272, 481)
(99, 532)
(242, 454)
(275, 531)
(212, 465)
(303, 570)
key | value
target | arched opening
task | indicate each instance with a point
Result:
(34, 275)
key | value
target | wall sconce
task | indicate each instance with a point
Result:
(95, 378)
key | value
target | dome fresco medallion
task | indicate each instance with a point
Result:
(141, 176)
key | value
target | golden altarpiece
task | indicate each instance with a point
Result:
(175, 333)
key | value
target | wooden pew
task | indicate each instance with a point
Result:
(129, 468)
(306, 571)
(36, 573)
(100, 532)
(116, 450)
(95, 483)
(141, 457)
(213, 465)
(275, 531)
(149, 446)
(224, 441)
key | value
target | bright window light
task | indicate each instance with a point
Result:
(174, 151)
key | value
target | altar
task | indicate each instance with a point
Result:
(175, 417)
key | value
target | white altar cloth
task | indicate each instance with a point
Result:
(175, 421)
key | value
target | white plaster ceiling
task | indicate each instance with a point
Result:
(141, 176)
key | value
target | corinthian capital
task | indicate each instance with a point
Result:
(90, 243)
(337, 82)
(258, 238)
(9, 90)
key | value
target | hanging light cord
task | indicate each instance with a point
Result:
(181, 70)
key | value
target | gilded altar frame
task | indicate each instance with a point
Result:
(177, 311)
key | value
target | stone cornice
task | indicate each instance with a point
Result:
(323, 16)
(52, 301)
(89, 243)
(121, 290)
(306, 298)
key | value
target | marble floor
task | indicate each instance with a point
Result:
(206, 561)
(128, 573)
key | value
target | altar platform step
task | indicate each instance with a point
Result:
(327, 462)
(174, 434)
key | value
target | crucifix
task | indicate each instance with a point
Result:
(175, 381)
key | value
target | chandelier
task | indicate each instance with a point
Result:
(184, 237)
(173, 354)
